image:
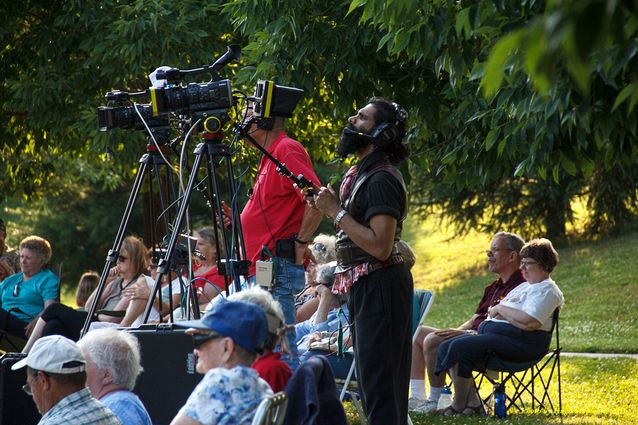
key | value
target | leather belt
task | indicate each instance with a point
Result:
(393, 260)
(350, 254)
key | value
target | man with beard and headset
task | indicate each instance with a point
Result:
(368, 221)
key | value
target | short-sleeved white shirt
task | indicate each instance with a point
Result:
(539, 300)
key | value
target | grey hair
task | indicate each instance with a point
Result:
(263, 299)
(115, 351)
(326, 273)
(245, 357)
(274, 314)
(39, 246)
(512, 241)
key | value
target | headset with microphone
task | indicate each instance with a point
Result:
(386, 132)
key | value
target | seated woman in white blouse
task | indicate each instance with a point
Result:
(517, 329)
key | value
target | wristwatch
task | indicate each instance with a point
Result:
(339, 216)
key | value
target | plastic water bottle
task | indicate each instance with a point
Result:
(499, 401)
(445, 399)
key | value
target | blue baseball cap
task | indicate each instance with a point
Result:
(245, 323)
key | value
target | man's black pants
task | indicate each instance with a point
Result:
(381, 307)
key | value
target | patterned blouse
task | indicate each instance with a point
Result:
(226, 396)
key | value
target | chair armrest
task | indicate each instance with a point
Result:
(112, 313)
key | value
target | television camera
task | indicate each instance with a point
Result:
(204, 107)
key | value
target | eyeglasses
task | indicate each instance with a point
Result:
(201, 339)
(492, 252)
(27, 387)
(527, 263)
(121, 258)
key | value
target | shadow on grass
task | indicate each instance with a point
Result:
(595, 391)
(531, 418)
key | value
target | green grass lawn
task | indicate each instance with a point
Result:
(595, 391)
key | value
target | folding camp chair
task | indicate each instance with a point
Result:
(422, 301)
(271, 410)
(527, 379)
(350, 389)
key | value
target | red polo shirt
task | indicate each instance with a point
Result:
(275, 209)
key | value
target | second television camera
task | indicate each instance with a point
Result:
(127, 118)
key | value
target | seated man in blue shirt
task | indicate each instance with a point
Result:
(113, 365)
(227, 341)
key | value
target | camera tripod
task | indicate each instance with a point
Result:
(152, 162)
(234, 264)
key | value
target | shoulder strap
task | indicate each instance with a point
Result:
(376, 168)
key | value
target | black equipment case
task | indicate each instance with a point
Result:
(16, 407)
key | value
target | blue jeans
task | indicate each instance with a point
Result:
(290, 279)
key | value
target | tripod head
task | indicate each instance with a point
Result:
(212, 120)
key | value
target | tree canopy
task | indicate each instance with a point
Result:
(516, 107)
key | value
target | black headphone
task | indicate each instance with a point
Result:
(386, 132)
(266, 124)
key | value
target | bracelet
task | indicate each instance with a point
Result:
(299, 241)
(339, 216)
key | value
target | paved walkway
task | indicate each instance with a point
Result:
(598, 355)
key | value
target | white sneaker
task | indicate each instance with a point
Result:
(427, 406)
(414, 403)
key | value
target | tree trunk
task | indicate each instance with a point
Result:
(556, 209)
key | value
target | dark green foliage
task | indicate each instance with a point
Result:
(516, 107)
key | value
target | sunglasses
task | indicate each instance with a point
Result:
(121, 258)
(16, 290)
(201, 339)
(319, 247)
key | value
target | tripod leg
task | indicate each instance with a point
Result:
(213, 183)
(240, 248)
(164, 264)
(166, 193)
(119, 237)
(235, 250)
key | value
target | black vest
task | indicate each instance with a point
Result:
(348, 253)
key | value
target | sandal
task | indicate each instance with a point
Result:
(448, 411)
(472, 410)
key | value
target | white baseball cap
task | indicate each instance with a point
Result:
(54, 354)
